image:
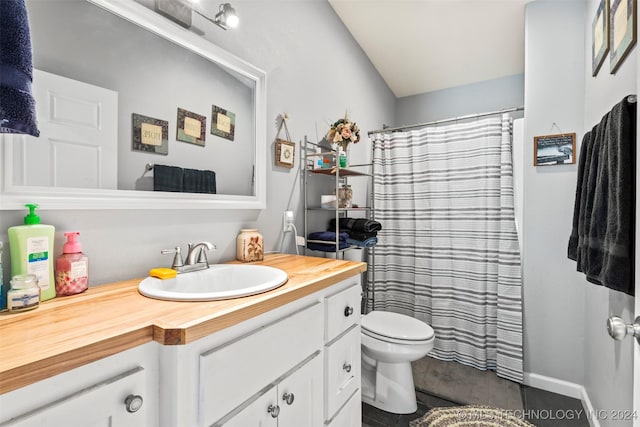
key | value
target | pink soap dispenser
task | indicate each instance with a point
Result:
(72, 267)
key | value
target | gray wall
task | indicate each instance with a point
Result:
(315, 71)
(489, 95)
(554, 92)
(608, 372)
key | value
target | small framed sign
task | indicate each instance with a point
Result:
(192, 127)
(285, 153)
(223, 122)
(149, 135)
(554, 149)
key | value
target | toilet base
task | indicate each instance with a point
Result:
(389, 386)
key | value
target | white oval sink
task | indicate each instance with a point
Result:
(219, 281)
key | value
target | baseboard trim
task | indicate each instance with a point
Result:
(565, 388)
(554, 385)
(588, 407)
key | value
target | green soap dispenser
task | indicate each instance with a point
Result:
(31, 250)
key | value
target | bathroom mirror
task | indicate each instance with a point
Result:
(175, 99)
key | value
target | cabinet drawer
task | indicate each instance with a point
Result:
(342, 370)
(350, 415)
(342, 310)
(234, 372)
(102, 404)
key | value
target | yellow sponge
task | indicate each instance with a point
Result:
(163, 273)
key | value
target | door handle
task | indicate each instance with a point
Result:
(618, 329)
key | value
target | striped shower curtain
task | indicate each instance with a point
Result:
(448, 250)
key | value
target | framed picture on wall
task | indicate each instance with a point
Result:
(285, 153)
(600, 36)
(554, 149)
(191, 127)
(149, 135)
(622, 31)
(223, 122)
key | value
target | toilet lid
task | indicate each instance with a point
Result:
(396, 326)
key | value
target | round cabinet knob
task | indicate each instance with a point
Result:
(133, 403)
(288, 397)
(274, 410)
(346, 367)
(618, 329)
(348, 311)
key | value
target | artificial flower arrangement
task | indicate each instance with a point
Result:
(343, 132)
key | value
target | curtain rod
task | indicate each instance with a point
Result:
(453, 119)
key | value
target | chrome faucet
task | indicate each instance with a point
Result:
(196, 257)
(197, 250)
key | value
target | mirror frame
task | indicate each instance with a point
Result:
(15, 196)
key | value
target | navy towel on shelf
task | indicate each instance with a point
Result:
(167, 178)
(315, 241)
(603, 234)
(199, 181)
(17, 106)
(369, 242)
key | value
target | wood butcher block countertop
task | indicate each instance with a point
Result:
(68, 332)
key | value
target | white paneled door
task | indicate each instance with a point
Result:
(78, 140)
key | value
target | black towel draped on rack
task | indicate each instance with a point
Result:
(603, 234)
(177, 179)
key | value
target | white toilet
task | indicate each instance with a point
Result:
(390, 342)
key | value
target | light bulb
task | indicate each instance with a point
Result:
(232, 21)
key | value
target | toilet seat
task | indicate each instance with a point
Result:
(395, 328)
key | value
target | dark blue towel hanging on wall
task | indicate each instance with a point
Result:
(603, 235)
(17, 106)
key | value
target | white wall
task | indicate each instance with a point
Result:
(315, 71)
(608, 372)
(554, 92)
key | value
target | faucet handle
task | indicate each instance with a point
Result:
(177, 258)
(202, 257)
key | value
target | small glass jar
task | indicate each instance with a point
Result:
(249, 245)
(24, 293)
(345, 194)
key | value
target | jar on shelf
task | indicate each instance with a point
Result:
(345, 195)
(249, 245)
(24, 293)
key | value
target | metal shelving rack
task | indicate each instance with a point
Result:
(311, 151)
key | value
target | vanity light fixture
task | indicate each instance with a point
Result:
(226, 16)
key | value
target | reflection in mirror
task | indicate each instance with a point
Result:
(115, 99)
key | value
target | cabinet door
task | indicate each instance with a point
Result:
(257, 414)
(300, 396)
(100, 405)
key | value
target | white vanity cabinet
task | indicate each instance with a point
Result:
(118, 391)
(296, 364)
(243, 375)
